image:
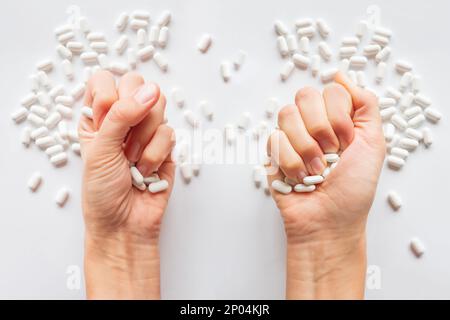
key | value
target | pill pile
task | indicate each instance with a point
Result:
(49, 108)
(404, 109)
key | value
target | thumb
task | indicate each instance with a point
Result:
(366, 116)
(127, 113)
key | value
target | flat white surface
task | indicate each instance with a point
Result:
(222, 238)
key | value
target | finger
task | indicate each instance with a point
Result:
(103, 94)
(141, 134)
(282, 152)
(314, 115)
(338, 104)
(157, 150)
(291, 123)
(166, 172)
(129, 83)
(366, 114)
(127, 113)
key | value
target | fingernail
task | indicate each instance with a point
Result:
(134, 151)
(146, 93)
(317, 165)
(302, 175)
(143, 170)
(328, 147)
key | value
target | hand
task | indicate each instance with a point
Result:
(122, 222)
(326, 229)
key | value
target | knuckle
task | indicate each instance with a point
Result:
(292, 165)
(305, 92)
(286, 112)
(104, 100)
(320, 130)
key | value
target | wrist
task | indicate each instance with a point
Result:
(333, 267)
(121, 266)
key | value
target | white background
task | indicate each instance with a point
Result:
(221, 238)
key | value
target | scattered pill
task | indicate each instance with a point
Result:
(281, 187)
(136, 175)
(19, 115)
(347, 52)
(35, 181)
(87, 112)
(432, 115)
(323, 28)
(292, 43)
(282, 46)
(62, 196)
(350, 42)
(52, 121)
(325, 51)
(158, 186)
(122, 21)
(383, 55)
(408, 144)
(25, 137)
(207, 110)
(244, 121)
(389, 131)
(417, 121)
(394, 200)
(78, 91)
(398, 121)
(136, 24)
(55, 149)
(417, 247)
(403, 66)
(414, 134)
(380, 40)
(328, 75)
(230, 134)
(146, 53)
(315, 65)
(122, 43)
(412, 112)
(163, 37)
(186, 172)
(280, 28)
(286, 70)
(361, 28)
(191, 119)
(161, 61)
(178, 97)
(301, 61)
(306, 32)
(400, 152)
(422, 100)
(427, 137)
(395, 163)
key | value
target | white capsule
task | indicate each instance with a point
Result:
(280, 28)
(422, 100)
(383, 32)
(63, 29)
(186, 172)
(384, 103)
(161, 61)
(302, 188)
(225, 70)
(100, 46)
(326, 172)
(136, 175)
(271, 107)
(304, 22)
(34, 80)
(406, 100)
(239, 59)
(163, 37)
(383, 55)
(178, 97)
(414, 134)
(399, 122)
(205, 43)
(394, 200)
(154, 177)
(67, 69)
(259, 174)
(63, 129)
(292, 43)
(191, 119)
(416, 83)
(74, 47)
(400, 153)
(141, 38)
(62, 196)
(410, 113)
(118, 68)
(35, 181)
(306, 32)
(153, 35)
(65, 37)
(53, 120)
(361, 79)
(66, 112)
(286, 70)
(304, 45)
(395, 163)
(244, 121)
(328, 75)
(158, 186)
(25, 137)
(325, 51)
(89, 57)
(59, 159)
(95, 37)
(301, 61)
(347, 52)
(310, 180)
(380, 40)
(207, 110)
(45, 142)
(122, 43)
(393, 143)
(44, 80)
(78, 91)
(344, 65)
(394, 93)
(72, 135)
(87, 73)
(51, 151)
(350, 42)
(361, 28)
(323, 28)
(432, 115)
(358, 62)
(282, 46)
(132, 58)
(87, 112)
(408, 144)
(19, 115)
(281, 187)
(35, 120)
(137, 24)
(387, 113)
(332, 157)
(45, 65)
(39, 132)
(417, 121)
(389, 131)
(103, 61)
(140, 14)
(122, 21)
(40, 111)
(405, 81)
(164, 18)
(230, 134)
(417, 247)
(371, 50)
(315, 65)
(56, 92)
(60, 140)
(64, 52)
(427, 137)
(146, 53)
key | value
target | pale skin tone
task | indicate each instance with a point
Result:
(325, 230)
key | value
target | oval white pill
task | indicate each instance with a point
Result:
(158, 186)
(35, 181)
(394, 200)
(310, 180)
(281, 187)
(62, 196)
(301, 188)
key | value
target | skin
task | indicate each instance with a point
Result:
(123, 223)
(326, 253)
